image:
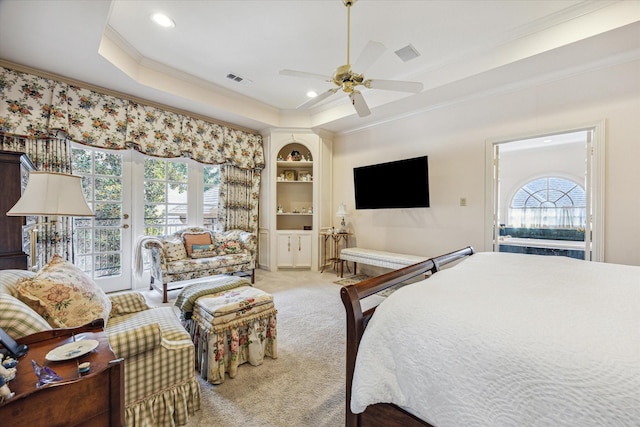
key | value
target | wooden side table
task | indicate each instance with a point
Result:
(336, 238)
(95, 398)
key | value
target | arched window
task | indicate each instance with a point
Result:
(550, 202)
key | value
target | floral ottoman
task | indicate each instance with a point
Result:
(230, 327)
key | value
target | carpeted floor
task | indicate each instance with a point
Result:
(351, 280)
(305, 385)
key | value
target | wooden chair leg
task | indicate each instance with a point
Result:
(164, 293)
(253, 276)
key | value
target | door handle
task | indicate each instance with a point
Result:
(125, 225)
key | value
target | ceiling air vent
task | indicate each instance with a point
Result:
(407, 53)
(239, 79)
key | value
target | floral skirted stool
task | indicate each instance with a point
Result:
(232, 327)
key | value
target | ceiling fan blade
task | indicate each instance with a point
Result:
(369, 55)
(304, 74)
(359, 104)
(313, 101)
(397, 85)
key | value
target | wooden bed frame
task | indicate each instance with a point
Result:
(382, 414)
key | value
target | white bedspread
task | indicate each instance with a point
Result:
(506, 339)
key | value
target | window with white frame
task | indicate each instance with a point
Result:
(549, 202)
(211, 191)
(166, 192)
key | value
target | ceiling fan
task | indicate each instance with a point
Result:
(348, 81)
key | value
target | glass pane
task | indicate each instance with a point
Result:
(87, 187)
(83, 242)
(107, 240)
(177, 193)
(177, 214)
(177, 171)
(108, 214)
(154, 231)
(154, 191)
(108, 164)
(80, 160)
(108, 189)
(154, 169)
(211, 176)
(154, 214)
(107, 265)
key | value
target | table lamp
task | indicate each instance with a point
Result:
(342, 212)
(50, 194)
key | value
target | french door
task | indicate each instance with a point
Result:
(103, 244)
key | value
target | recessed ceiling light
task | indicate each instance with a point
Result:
(312, 94)
(163, 20)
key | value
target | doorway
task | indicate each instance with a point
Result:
(545, 193)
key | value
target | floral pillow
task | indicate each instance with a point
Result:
(191, 239)
(174, 249)
(64, 295)
(227, 244)
(203, 251)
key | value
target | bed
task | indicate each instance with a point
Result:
(497, 339)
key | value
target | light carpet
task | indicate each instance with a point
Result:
(352, 280)
(305, 386)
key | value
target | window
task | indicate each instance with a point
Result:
(211, 187)
(165, 196)
(551, 202)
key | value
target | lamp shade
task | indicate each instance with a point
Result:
(342, 210)
(52, 194)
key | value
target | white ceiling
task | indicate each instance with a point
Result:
(468, 48)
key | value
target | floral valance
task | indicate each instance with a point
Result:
(34, 106)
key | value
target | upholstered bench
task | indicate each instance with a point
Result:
(230, 323)
(378, 258)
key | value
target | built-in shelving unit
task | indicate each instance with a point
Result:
(293, 205)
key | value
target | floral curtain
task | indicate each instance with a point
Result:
(38, 116)
(239, 194)
(35, 106)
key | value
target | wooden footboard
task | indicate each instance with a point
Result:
(381, 414)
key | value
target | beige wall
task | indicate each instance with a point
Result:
(454, 138)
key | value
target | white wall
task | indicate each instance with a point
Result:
(454, 139)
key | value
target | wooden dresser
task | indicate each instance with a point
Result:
(14, 173)
(93, 399)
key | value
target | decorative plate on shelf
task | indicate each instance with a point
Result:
(71, 350)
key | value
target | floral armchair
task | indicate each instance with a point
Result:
(161, 388)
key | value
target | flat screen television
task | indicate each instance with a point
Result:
(393, 185)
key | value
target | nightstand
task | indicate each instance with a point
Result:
(95, 398)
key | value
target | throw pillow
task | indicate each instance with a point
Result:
(18, 320)
(174, 249)
(203, 251)
(64, 295)
(191, 239)
(228, 243)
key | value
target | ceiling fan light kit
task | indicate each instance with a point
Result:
(348, 81)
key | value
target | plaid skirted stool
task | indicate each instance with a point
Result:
(230, 323)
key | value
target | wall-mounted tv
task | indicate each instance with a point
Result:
(393, 185)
